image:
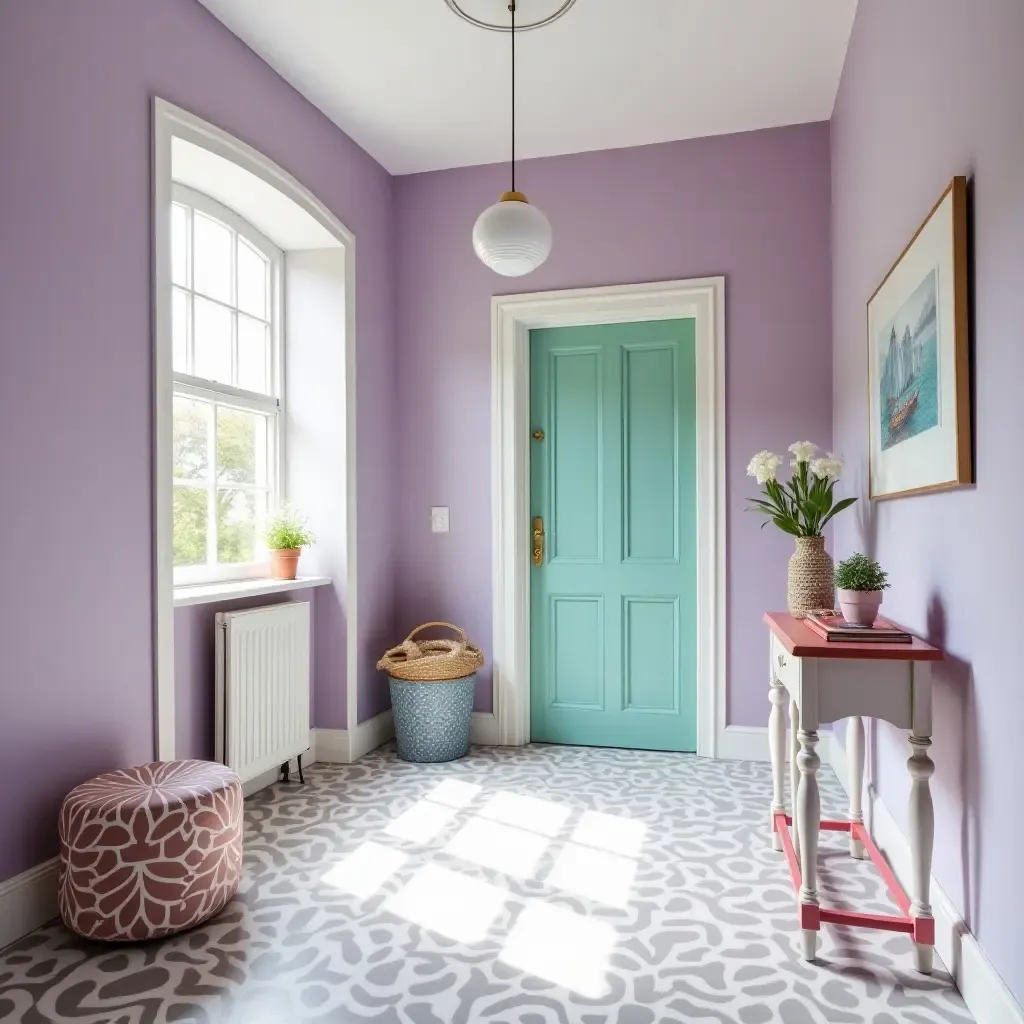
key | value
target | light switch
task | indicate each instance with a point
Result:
(439, 519)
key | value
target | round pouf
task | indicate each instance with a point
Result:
(149, 851)
(432, 718)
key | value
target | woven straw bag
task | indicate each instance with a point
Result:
(432, 661)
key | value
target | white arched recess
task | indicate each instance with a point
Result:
(512, 319)
(171, 122)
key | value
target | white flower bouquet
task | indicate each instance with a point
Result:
(804, 505)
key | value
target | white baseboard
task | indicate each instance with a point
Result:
(984, 992)
(750, 743)
(27, 901)
(343, 746)
(269, 777)
(483, 728)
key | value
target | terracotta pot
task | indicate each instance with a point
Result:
(284, 563)
(810, 586)
(860, 607)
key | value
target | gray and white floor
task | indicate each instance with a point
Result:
(533, 885)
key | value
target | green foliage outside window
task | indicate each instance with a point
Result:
(238, 509)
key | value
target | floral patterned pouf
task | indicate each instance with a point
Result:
(149, 851)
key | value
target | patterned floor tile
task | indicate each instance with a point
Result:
(541, 885)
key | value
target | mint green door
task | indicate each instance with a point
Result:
(613, 604)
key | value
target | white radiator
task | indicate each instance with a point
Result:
(262, 697)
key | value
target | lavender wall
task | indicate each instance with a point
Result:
(754, 207)
(934, 88)
(76, 81)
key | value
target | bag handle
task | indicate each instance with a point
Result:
(463, 639)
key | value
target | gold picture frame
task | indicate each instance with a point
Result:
(919, 389)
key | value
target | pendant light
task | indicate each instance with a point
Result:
(512, 237)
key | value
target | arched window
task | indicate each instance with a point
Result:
(228, 389)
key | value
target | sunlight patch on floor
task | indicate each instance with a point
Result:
(365, 869)
(596, 874)
(561, 946)
(527, 812)
(421, 822)
(624, 836)
(449, 903)
(512, 851)
(454, 793)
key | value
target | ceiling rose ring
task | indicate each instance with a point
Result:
(455, 7)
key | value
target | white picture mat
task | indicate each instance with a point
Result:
(930, 457)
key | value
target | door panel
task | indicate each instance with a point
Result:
(575, 412)
(650, 495)
(614, 603)
(577, 652)
(650, 663)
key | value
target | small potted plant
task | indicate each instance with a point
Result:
(859, 582)
(287, 535)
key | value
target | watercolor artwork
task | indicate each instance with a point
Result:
(907, 353)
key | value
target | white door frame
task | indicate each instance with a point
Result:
(170, 121)
(512, 319)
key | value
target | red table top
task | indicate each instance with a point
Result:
(802, 642)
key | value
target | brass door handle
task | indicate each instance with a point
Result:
(538, 541)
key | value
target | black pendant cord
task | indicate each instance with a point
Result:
(512, 8)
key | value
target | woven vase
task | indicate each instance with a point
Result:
(811, 577)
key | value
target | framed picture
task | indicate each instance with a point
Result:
(919, 400)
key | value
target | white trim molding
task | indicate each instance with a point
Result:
(750, 743)
(343, 746)
(212, 593)
(984, 992)
(28, 901)
(273, 775)
(512, 319)
(483, 729)
(170, 122)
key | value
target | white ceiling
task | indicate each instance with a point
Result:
(420, 89)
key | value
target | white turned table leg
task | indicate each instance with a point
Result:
(777, 747)
(921, 821)
(808, 822)
(794, 771)
(855, 759)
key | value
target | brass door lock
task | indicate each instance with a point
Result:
(538, 541)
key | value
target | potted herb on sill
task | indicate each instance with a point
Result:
(801, 508)
(287, 535)
(859, 582)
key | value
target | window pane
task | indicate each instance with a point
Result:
(179, 329)
(241, 447)
(212, 341)
(241, 516)
(252, 280)
(252, 355)
(179, 244)
(189, 525)
(211, 257)
(191, 439)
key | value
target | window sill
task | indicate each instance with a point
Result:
(211, 593)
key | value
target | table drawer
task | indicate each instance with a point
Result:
(785, 667)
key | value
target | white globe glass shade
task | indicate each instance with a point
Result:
(512, 237)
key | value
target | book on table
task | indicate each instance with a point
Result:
(832, 626)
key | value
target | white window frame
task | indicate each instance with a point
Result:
(170, 122)
(272, 405)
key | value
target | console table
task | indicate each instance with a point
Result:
(827, 681)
